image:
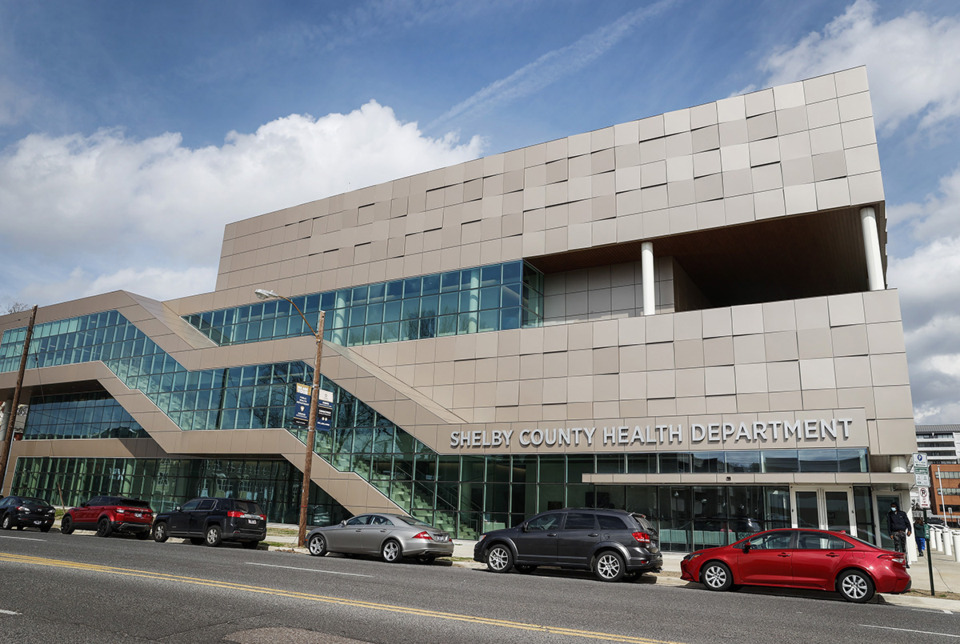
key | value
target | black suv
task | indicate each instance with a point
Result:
(212, 521)
(611, 543)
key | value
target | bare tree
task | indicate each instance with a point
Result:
(16, 307)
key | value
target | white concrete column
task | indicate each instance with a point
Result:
(871, 247)
(912, 553)
(948, 543)
(898, 464)
(935, 538)
(956, 546)
(649, 279)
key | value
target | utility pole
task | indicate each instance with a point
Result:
(12, 416)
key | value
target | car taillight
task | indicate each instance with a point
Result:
(642, 538)
(422, 535)
(263, 517)
(235, 514)
(120, 510)
(898, 558)
(22, 508)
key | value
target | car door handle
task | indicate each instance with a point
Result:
(551, 534)
(783, 554)
(832, 555)
(594, 534)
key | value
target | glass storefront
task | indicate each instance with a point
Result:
(167, 483)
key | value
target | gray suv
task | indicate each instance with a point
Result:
(612, 543)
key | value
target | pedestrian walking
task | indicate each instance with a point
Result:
(918, 533)
(898, 525)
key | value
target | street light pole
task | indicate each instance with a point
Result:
(312, 419)
(12, 415)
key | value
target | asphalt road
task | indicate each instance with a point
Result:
(82, 588)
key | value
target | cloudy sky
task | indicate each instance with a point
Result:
(131, 132)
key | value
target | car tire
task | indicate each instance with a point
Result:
(197, 541)
(7, 522)
(499, 558)
(66, 525)
(525, 568)
(715, 575)
(160, 532)
(855, 586)
(391, 551)
(213, 536)
(103, 527)
(317, 545)
(251, 545)
(609, 566)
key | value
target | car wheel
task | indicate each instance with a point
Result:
(317, 545)
(391, 551)
(197, 541)
(7, 522)
(855, 586)
(160, 533)
(103, 527)
(525, 568)
(609, 566)
(716, 576)
(251, 545)
(66, 525)
(499, 558)
(212, 536)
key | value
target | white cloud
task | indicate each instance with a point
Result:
(912, 62)
(104, 211)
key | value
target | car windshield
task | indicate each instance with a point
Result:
(35, 501)
(132, 503)
(415, 522)
(248, 507)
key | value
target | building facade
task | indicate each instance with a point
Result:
(684, 316)
(940, 443)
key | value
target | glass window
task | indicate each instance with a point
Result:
(580, 521)
(773, 541)
(821, 541)
(608, 522)
(545, 522)
(784, 460)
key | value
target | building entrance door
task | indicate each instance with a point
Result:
(824, 508)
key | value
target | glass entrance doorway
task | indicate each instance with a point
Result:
(825, 508)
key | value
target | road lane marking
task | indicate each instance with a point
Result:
(340, 601)
(8, 612)
(326, 572)
(22, 538)
(909, 630)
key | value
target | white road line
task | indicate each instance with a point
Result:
(910, 630)
(328, 572)
(8, 612)
(22, 538)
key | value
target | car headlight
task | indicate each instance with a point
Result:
(692, 556)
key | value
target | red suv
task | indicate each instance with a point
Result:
(109, 514)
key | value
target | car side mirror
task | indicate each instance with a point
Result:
(84, 505)
(524, 527)
(344, 522)
(746, 547)
(177, 509)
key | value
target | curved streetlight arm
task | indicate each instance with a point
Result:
(264, 294)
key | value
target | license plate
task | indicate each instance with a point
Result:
(252, 521)
(138, 514)
(36, 523)
(442, 538)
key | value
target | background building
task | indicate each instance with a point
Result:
(684, 316)
(941, 443)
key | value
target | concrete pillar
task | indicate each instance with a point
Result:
(948, 543)
(5, 418)
(871, 247)
(935, 539)
(912, 553)
(956, 546)
(898, 464)
(649, 279)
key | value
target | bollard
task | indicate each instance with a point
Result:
(948, 542)
(935, 540)
(911, 553)
(956, 546)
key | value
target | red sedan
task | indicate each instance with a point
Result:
(800, 558)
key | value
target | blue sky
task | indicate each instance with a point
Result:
(163, 121)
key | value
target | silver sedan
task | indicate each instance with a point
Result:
(391, 536)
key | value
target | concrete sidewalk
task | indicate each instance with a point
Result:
(946, 572)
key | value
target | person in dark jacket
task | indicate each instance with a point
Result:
(918, 535)
(898, 525)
